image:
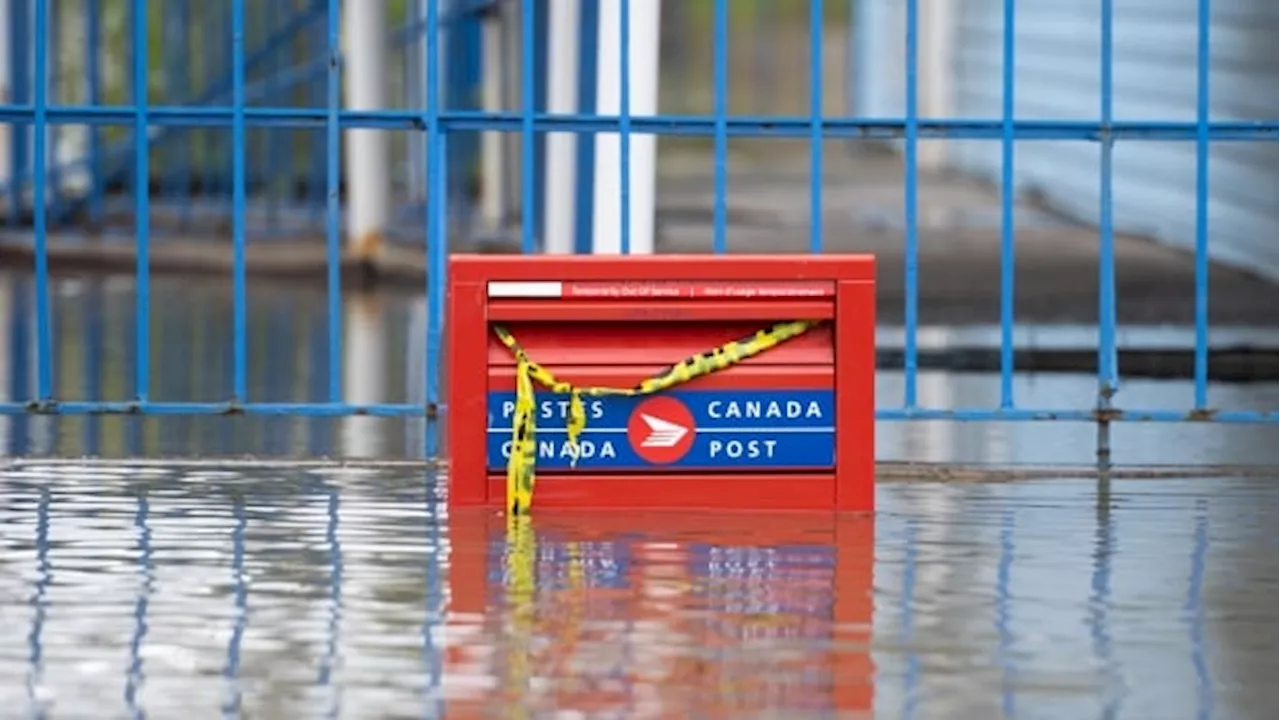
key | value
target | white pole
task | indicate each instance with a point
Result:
(563, 20)
(491, 165)
(368, 172)
(937, 58)
(645, 27)
(364, 374)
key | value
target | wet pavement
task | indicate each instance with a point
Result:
(186, 591)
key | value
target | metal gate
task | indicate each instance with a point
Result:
(242, 123)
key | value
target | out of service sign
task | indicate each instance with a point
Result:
(750, 429)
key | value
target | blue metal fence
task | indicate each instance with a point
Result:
(252, 116)
(185, 55)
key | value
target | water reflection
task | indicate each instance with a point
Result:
(1100, 596)
(140, 613)
(383, 359)
(355, 594)
(1129, 561)
(751, 614)
(39, 604)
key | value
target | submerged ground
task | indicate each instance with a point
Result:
(353, 592)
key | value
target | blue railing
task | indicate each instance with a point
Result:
(297, 57)
(285, 58)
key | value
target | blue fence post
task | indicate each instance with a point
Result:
(624, 123)
(720, 109)
(1107, 361)
(436, 221)
(1007, 192)
(528, 159)
(333, 157)
(238, 203)
(540, 31)
(816, 80)
(142, 201)
(437, 269)
(910, 239)
(40, 127)
(1201, 371)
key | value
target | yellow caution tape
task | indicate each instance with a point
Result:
(520, 578)
(520, 464)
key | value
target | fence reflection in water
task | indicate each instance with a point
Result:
(320, 592)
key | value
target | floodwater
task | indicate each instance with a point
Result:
(383, 360)
(223, 588)
(203, 591)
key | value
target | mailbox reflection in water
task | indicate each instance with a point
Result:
(791, 428)
(764, 611)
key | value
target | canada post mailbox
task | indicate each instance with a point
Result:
(788, 427)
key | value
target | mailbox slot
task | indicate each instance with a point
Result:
(660, 311)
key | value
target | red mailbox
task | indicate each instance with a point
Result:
(790, 428)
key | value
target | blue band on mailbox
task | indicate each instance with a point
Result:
(686, 430)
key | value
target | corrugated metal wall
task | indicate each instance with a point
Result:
(1058, 77)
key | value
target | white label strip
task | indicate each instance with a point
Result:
(525, 289)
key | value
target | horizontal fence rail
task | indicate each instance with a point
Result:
(234, 112)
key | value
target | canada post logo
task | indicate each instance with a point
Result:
(661, 430)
